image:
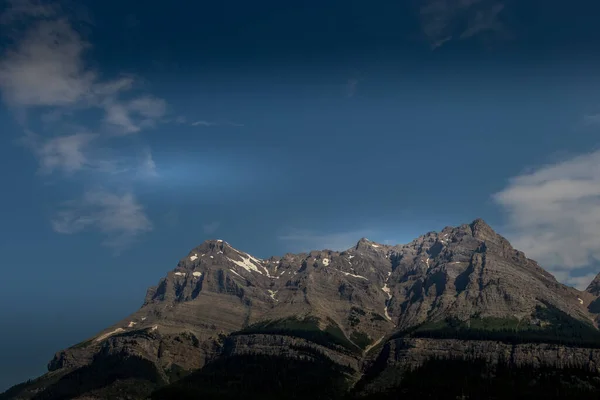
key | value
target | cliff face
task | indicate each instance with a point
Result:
(440, 295)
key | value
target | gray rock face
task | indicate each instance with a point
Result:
(366, 294)
(410, 353)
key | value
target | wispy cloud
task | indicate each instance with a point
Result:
(484, 20)
(592, 119)
(211, 227)
(203, 123)
(46, 67)
(306, 240)
(119, 217)
(133, 116)
(445, 20)
(351, 87)
(214, 123)
(63, 153)
(148, 166)
(554, 214)
(44, 73)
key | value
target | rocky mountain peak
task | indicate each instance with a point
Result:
(481, 230)
(365, 244)
(212, 245)
(594, 286)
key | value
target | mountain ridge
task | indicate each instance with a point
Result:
(461, 283)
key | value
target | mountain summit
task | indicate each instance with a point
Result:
(354, 309)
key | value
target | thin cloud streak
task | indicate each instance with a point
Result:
(209, 123)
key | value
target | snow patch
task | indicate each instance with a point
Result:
(236, 273)
(144, 318)
(131, 324)
(386, 289)
(219, 252)
(354, 276)
(197, 274)
(180, 273)
(99, 338)
(272, 294)
(267, 271)
(155, 327)
(326, 261)
(580, 301)
(211, 257)
(350, 257)
(247, 263)
(385, 312)
(374, 245)
(194, 257)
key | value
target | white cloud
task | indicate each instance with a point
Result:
(136, 114)
(148, 166)
(66, 153)
(46, 67)
(148, 106)
(554, 213)
(118, 114)
(444, 20)
(304, 240)
(212, 123)
(211, 227)
(203, 123)
(118, 216)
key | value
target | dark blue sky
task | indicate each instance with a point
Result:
(132, 133)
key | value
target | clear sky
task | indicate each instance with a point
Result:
(131, 132)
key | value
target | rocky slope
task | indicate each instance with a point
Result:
(367, 309)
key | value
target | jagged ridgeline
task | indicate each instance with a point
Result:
(374, 321)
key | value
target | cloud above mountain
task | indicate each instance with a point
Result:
(554, 214)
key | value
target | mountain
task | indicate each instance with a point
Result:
(362, 323)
